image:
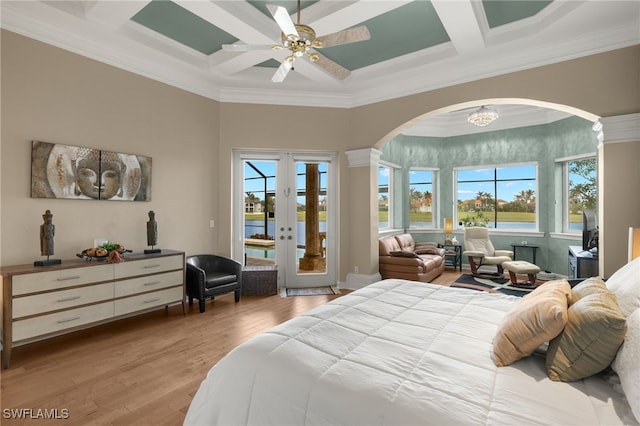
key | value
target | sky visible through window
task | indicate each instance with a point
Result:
(514, 180)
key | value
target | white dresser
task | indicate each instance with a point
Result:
(42, 302)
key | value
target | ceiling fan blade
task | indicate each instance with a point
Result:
(350, 35)
(247, 47)
(283, 70)
(283, 20)
(332, 67)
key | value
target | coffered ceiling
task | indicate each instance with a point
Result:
(415, 46)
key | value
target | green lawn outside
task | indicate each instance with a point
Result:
(502, 217)
(300, 216)
(383, 216)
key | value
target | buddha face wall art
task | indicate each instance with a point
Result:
(64, 171)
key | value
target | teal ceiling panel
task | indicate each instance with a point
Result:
(409, 28)
(501, 12)
(177, 23)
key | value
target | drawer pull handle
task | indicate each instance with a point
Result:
(68, 278)
(68, 320)
(156, 265)
(152, 283)
(152, 300)
(68, 299)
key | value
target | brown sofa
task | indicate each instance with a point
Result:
(402, 257)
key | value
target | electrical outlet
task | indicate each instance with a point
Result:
(355, 269)
(211, 223)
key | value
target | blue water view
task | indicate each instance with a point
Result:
(253, 227)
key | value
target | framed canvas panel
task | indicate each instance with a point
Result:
(73, 172)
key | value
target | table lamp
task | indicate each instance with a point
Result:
(634, 243)
(448, 229)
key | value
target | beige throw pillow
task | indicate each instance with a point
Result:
(589, 342)
(537, 318)
(587, 287)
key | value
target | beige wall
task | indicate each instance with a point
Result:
(55, 96)
(619, 201)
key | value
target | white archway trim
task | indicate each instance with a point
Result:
(363, 157)
(621, 128)
(488, 101)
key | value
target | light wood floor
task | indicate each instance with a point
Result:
(142, 370)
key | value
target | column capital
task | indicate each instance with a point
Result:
(363, 157)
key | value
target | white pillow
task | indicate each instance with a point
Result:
(627, 363)
(625, 284)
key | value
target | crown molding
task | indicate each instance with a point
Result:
(621, 128)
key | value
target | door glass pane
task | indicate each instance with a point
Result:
(311, 217)
(259, 212)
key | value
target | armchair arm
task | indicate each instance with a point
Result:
(472, 253)
(503, 253)
(402, 261)
(229, 266)
(196, 278)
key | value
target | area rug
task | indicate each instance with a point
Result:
(311, 291)
(495, 285)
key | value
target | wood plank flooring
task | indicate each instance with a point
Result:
(142, 370)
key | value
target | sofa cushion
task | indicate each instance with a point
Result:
(386, 245)
(406, 242)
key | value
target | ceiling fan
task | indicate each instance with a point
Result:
(301, 40)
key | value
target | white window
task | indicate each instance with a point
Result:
(580, 190)
(421, 198)
(501, 197)
(385, 197)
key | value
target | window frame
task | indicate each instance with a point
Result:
(390, 194)
(565, 162)
(495, 181)
(434, 197)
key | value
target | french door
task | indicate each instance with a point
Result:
(284, 215)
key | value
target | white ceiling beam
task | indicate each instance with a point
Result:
(114, 13)
(230, 63)
(237, 18)
(461, 24)
(331, 16)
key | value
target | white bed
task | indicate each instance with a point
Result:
(396, 352)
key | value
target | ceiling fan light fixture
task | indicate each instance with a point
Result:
(482, 116)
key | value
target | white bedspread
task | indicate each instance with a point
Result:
(395, 352)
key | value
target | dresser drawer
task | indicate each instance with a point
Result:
(148, 300)
(63, 299)
(148, 283)
(53, 280)
(45, 324)
(148, 266)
